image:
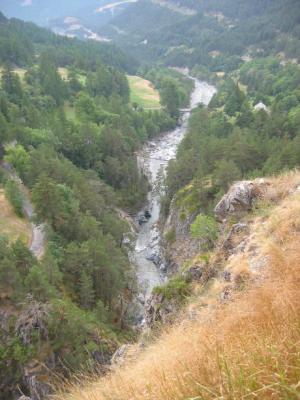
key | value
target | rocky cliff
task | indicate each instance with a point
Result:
(193, 264)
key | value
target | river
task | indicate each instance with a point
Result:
(153, 160)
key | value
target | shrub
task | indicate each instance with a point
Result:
(177, 288)
(204, 227)
(14, 195)
(170, 236)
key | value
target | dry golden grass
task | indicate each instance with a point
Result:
(248, 348)
(10, 224)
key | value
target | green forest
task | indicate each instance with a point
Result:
(232, 139)
(71, 138)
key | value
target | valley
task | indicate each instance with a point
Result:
(149, 195)
(153, 160)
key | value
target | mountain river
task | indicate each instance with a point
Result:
(153, 161)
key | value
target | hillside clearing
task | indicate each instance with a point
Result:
(143, 93)
(19, 71)
(11, 225)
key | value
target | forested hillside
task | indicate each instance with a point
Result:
(71, 126)
(250, 129)
(215, 34)
(69, 133)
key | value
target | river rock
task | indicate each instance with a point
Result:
(238, 199)
(155, 258)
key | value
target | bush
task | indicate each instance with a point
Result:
(14, 195)
(204, 227)
(177, 288)
(170, 236)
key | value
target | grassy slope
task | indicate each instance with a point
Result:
(143, 93)
(11, 225)
(19, 71)
(247, 348)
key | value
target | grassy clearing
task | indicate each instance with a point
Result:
(70, 112)
(64, 73)
(19, 71)
(143, 93)
(11, 225)
(248, 348)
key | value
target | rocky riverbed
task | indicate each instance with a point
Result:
(153, 160)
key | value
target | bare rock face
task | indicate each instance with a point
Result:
(238, 199)
(32, 320)
(182, 247)
(159, 309)
(36, 379)
(235, 239)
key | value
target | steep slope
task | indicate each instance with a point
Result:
(238, 336)
(22, 42)
(184, 33)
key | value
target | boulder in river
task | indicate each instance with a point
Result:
(147, 214)
(142, 219)
(155, 258)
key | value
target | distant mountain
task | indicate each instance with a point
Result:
(73, 18)
(41, 11)
(214, 33)
(188, 32)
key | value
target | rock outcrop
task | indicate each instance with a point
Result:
(200, 272)
(238, 199)
(159, 309)
(32, 322)
(235, 240)
(178, 245)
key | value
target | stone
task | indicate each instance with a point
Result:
(199, 273)
(159, 309)
(227, 276)
(155, 258)
(37, 380)
(32, 320)
(235, 236)
(238, 199)
(194, 273)
(120, 355)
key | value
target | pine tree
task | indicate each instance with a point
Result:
(86, 291)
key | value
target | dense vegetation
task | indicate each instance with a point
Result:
(232, 139)
(69, 132)
(21, 43)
